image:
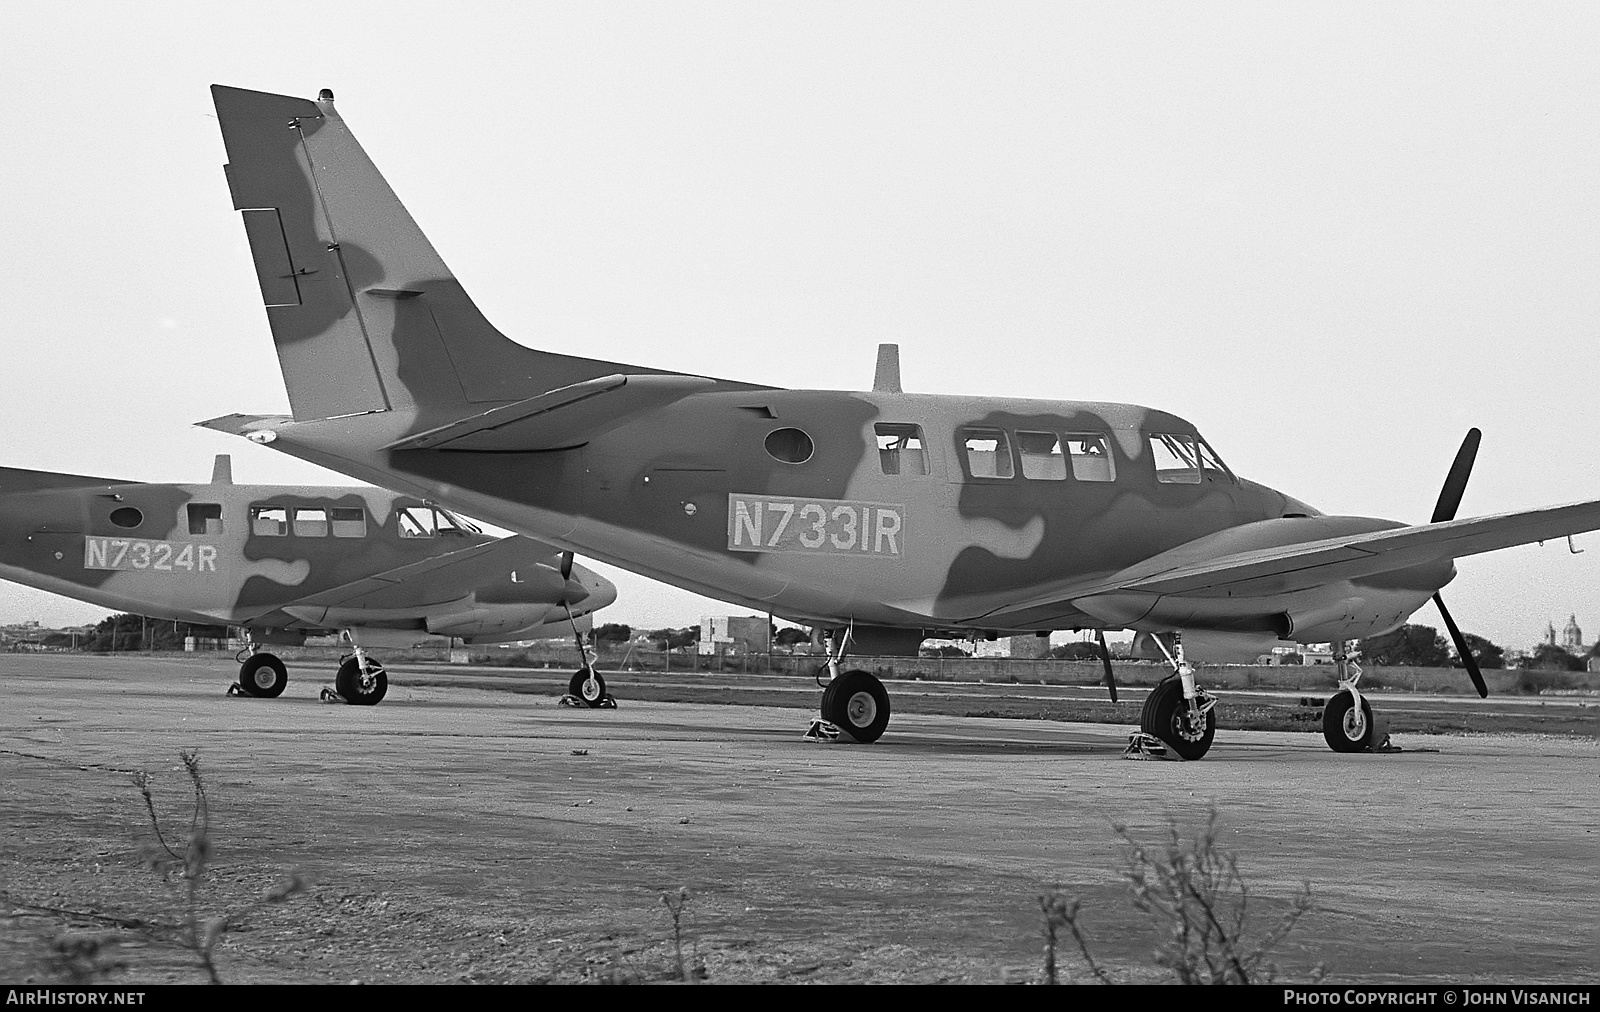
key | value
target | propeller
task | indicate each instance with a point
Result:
(1105, 658)
(1455, 483)
(566, 560)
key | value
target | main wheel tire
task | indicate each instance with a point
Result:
(591, 693)
(350, 683)
(263, 675)
(858, 704)
(1166, 716)
(1345, 728)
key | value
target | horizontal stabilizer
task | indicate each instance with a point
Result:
(16, 479)
(559, 418)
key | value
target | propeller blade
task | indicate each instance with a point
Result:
(1455, 482)
(1467, 660)
(566, 565)
(1105, 658)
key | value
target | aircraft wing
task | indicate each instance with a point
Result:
(1309, 563)
(450, 577)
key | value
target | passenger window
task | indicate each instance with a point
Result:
(900, 449)
(269, 521)
(1175, 458)
(205, 518)
(310, 523)
(416, 522)
(349, 522)
(1041, 456)
(988, 453)
(1091, 456)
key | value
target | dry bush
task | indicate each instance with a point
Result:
(199, 935)
(1199, 904)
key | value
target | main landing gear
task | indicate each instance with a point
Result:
(361, 681)
(1178, 714)
(855, 705)
(261, 675)
(1347, 721)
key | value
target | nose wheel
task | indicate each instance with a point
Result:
(588, 688)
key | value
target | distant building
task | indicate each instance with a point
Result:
(737, 634)
(1571, 639)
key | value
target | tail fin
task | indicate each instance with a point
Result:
(364, 313)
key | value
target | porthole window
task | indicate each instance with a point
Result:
(127, 516)
(789, 445)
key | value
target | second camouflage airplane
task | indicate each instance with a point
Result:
(879, 517)
(281, 561)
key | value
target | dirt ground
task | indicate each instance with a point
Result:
(462, 834)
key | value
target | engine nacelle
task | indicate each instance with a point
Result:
(483, 622)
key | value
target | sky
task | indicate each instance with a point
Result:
(1332, 236)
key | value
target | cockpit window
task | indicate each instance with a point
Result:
(1041, 455)
(1211, 462)
(1091, 456)
(416, 522)
(900, 449)
(427, 521)
(988, 453)
(1176, 460)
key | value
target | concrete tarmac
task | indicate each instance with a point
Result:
(461, 834)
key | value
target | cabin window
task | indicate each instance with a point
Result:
(127, 516)
(1041, 455)
(205, 518)
(1175, 458)
(900, 448)
(349, 522)
(310, 523)
(416, 522)
(988, 453)
(1091, 456)
(269, 521)
(789, 445)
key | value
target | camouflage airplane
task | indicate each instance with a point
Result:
(282, 561)
(878, 518)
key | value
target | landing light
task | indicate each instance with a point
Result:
(263, 437)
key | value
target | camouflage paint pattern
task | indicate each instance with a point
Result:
(61, 533)
(380, 344)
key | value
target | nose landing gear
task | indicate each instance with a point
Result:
(1348, 724)
(855, 705)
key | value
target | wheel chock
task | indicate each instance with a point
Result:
(234, 689)
(607, 702)
(330, 696)
(821, 730)
(1145, 746)
(1380, 736)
